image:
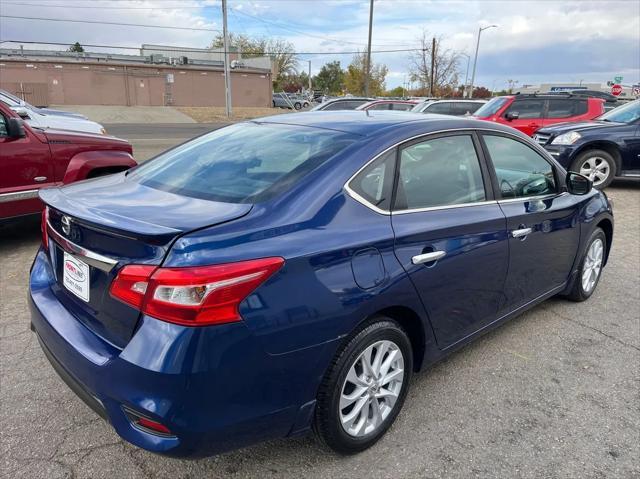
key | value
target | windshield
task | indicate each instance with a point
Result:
(623, 114)
(242, 163)
(421, 106)
(491, 108)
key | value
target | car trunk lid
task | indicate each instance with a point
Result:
(98, 226)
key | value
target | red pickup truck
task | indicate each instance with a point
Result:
(32, 158)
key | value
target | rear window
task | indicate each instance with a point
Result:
(243, 163)
(565, 108)
(491, 108)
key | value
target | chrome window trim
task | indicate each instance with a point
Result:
(533, 198)
(96, 260)
(18, 195)
(373, 207)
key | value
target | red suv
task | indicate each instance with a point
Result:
(32, 158)
(528, 113)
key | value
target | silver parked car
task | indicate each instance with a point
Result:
(289, 100)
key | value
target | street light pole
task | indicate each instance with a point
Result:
(227, 71)
(367, 70)
(475, 60)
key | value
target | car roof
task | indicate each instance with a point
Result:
(368, 123)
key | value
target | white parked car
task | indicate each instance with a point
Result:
(58, 122)
(449, 107)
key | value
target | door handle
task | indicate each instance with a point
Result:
(428, 257)
(40, 179)
(521, 233)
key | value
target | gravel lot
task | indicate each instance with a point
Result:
(554, 393)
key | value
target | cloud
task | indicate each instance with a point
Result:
(535, 39)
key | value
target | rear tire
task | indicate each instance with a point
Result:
(597, 165)
(356, 403)
(590, 268)
(297, 106)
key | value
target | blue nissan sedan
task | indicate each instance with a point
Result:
(292, 273)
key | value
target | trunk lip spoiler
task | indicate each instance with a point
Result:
(92, 258)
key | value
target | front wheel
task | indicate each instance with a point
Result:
(297, 106)
(590, 267)
(597, 165)
(364, 388)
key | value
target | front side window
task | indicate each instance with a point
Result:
(242, 163)
(520, 170)
(3, 126)
(375, 183)
(526, 109)
(439, 172)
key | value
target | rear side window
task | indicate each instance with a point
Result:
(520, 170)
(242, 163)
(442, 108)
(380, 106)
(527, 108)
(439, 172)
(375, 183)
(401, 106)
(565, 108)
(345, 105)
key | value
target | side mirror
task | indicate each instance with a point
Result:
(512, 115)
(15, 129)
(578, 184)
(22, 112)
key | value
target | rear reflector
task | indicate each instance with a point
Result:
(193, 296)
(146, 424)
(43, 228)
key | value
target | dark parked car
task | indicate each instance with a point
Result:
(342, 103)
(601, 149)
(293, 272)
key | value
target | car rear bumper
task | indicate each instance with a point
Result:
(214, 388)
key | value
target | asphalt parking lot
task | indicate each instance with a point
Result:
(554, 393)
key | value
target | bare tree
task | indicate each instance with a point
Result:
(445, 65)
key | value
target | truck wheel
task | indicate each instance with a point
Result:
(597, 165)
(364, 387)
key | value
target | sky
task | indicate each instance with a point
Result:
(535, 41)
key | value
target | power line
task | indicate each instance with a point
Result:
(101, 7)
(96, 22)
(186, 49)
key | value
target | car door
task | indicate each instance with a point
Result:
(525, 115)
(25, 167)
(450, 235)
(542, 220)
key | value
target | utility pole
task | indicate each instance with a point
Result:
(227, 70)
(475, 60)
(367, 68)
(433, 64)
(466, 76)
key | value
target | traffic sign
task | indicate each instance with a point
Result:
(616, 90)
(617, 79)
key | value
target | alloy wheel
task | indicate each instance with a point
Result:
(597, 169)
(371, 388)
(592, 265)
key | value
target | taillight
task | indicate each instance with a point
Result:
(194, 296)
(43, 228)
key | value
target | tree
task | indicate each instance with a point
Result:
(293, 83)
(481, 92)
(354, 78)
(445, 71)
(76, 47)
(330, 78)
(397, 91)
(281, 52)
